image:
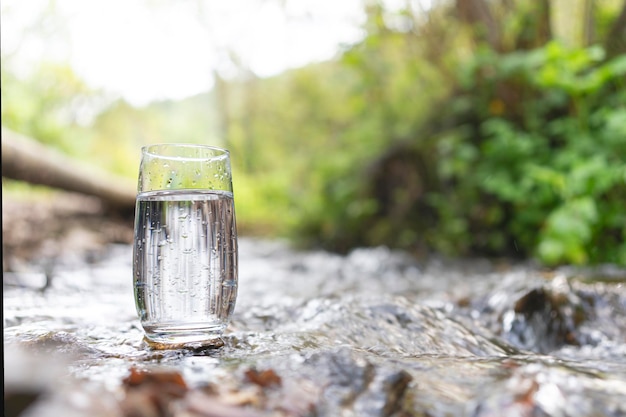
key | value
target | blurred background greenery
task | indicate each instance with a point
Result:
(467, 127)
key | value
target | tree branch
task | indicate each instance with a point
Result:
(27, 160)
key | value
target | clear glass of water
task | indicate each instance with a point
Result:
(185, 248)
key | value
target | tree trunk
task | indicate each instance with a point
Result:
(478, 14)
(27, 160)
(616, 41)
(572, 22)
(535, 31)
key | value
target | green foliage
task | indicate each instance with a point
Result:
(529, 160)
(550, 152)
(418, 136)
(118, 132)
(53, 105)
(525, 156)
(47, 105)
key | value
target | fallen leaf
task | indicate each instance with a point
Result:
(142, 377)
(263, 379)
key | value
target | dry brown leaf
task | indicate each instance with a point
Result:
(264, 379)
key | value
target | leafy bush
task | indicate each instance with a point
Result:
(553, 155)
(529, 160)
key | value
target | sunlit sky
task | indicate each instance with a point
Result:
(145, 50)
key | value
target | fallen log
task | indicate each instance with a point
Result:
(27, 160)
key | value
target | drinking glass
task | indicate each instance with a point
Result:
(185, 248)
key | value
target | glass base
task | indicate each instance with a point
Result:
(183, 337)
(206, 344)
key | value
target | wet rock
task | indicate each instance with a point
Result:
(26, 379)
(543, 321)
(540, 389)
(354, 386)
(390, 326)
(549, 314)
(205, 406)
(385, 394)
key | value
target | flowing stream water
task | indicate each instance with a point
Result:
(372, 333)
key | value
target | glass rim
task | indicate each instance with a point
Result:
(150, 150)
